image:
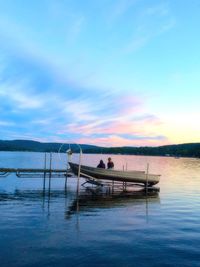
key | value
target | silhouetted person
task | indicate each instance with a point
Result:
(110, 164)
(101, 165)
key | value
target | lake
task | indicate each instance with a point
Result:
(160, 230)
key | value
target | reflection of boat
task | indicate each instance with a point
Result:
(115, 175)
(92, 200)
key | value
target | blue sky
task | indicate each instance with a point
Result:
(104, 72)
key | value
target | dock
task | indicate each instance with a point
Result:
(45, 174)
(50, 173)
(37, 172)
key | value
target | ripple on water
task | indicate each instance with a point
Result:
(160, 231)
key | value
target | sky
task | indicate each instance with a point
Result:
(100, 72)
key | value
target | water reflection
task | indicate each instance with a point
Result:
(99, 229)
(92, 200)
(31, 195)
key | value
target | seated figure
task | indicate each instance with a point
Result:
(101, 165)
(110, 164)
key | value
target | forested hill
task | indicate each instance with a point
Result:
(182, 150)
(34, 146)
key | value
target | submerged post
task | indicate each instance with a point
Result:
(44, 178)
(126, 170)
(113, 184)
(50, 164)
(147, 177)
(66, 182)
(79, 170)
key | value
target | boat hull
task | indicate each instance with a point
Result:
(115, 175)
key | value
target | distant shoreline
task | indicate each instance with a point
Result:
(191, 150)
(77, 152)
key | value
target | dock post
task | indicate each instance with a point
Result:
(66, 183)
(69, 154)
(44, 178)
(50, 164)
(123, 183)
(126, 170)
(147, 177)
(113, 186)
(79, 171)
(66, 172)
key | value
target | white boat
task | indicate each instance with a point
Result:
(115, 175)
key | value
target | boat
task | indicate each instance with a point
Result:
(115, 175)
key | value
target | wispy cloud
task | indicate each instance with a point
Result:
(7, 123)
(20, 45)
(76, 28)
(118, 141)
(79, 109)
(152, 22)
(45, 121)
(19, 95)
(168, 25)
(119, 8)
(161, 9)
(124, 122)
(123, 125)
(136, 43)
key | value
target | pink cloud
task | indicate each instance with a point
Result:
(125, 119)
(129, 104)
(122, 125)
(117, 141)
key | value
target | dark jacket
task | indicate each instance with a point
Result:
(110, 165)
(101, 165)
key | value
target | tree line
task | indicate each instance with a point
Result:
(180, 150)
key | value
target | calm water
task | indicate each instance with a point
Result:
(163, 230)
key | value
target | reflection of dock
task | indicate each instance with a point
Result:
(35, 195)
(91, 200)
(86, 203)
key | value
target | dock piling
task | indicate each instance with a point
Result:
(50, 167)
(79, 170)
(147, 178)
(44, 177)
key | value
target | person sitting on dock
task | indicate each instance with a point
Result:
(110, 164)
(101, 165)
